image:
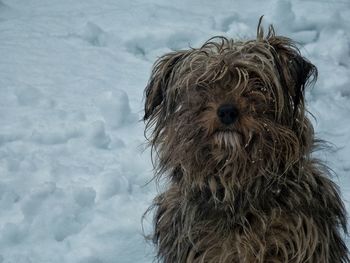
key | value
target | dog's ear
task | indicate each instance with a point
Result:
(295, 71)
(161, 77)
(302, 72)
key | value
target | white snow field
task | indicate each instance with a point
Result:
(73, 164)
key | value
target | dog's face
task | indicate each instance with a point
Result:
(230, 102)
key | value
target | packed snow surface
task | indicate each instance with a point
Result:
(74, 167)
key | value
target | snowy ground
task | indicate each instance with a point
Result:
(73, 169)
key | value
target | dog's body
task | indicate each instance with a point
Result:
(231, 136)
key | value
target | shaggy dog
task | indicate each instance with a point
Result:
(230, 134)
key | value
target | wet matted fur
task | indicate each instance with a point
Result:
(249, 191)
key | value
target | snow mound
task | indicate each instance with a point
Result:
(115, 108)
(94, 35)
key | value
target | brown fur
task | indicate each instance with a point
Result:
(250, 192)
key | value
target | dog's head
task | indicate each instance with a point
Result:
(229, 102)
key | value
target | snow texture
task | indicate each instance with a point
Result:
(74, 169)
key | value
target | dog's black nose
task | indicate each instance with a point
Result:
(227, 113)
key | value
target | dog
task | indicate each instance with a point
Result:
(229, 129)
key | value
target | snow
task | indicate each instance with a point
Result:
(74, 166)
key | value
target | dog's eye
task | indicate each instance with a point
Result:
(252, 94)
(205, 108)
(201, 87)
(262, 89)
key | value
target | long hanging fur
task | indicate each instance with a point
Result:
(250, 192)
